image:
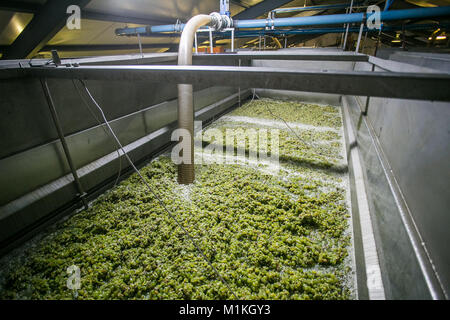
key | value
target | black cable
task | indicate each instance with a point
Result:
(102, 126)
(156, 195)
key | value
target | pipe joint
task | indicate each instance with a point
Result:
(270, 24)
(220, 22)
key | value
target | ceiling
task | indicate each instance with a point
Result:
(30, 28)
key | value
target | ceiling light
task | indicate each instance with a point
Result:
(438, 38)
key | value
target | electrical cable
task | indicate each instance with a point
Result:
(103, 127)
(155, 194)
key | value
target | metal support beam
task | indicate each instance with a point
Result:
(377, 84)
(341, 56)
(62, 139)
(140, 46)
(260, 9)
(359, 37)
(44, 25)
(348, 26)
(211, 44)
(232, 40)
(92, 15)
(106, 47)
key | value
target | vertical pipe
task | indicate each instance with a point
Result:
(211, 46)
(232, 40)
(343, 33)
(140, 45)
(56, 121)
(186, 173)
(359, 37)
(196, 43)
(239, 87)
(348, 26)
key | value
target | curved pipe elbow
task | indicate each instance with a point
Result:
(187, 38)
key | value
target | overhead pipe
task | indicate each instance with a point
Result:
(186, 173)
(343, 18)
(283, 32)
(331, 19)
(313, 8)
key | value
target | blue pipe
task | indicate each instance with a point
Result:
(305, 21)
(344, 18)
(256, 33)
(311, 8)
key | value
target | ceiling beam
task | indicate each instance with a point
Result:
(260, 9)
(46, 23)
(93, 15)
(19, 6)
(240, 3)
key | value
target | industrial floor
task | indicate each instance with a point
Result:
(273, 229)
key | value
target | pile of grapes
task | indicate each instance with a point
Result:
(283, 236)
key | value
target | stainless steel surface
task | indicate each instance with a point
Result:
(405, 161)
(431, 86)
(25, 170)
(403, 274)
(57, 193)
(403, 143)
(364, 223)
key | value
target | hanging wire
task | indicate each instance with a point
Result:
(155, 193)
(103, 127)
(312, 146)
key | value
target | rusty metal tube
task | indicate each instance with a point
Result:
(186, 173)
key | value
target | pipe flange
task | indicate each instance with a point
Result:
(270, 24)
(227, 21)
(220, 22)
(177, 27)
(216, 21)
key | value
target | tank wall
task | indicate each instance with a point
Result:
(35, 179)
(406, 173)
(413, 138)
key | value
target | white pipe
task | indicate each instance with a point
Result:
(232, 40)
(348, 26)
(186, 174)
(211, 47)
(359, 37)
